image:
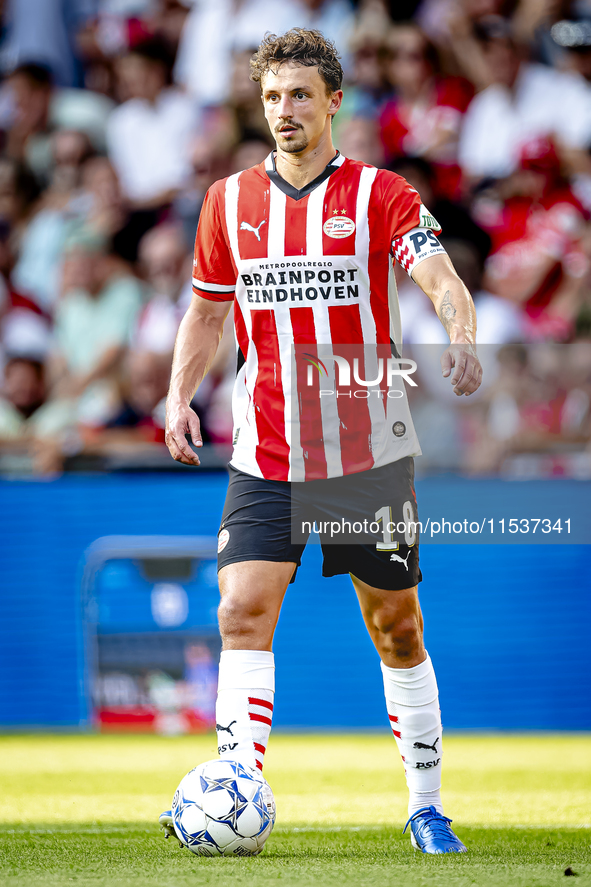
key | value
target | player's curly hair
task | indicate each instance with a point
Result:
(303, 47)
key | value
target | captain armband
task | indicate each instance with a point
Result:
(415, 246)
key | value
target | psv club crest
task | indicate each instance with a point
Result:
(339, 225)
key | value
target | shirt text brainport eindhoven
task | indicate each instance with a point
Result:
(342, 284)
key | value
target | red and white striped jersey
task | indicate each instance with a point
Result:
(310, 271)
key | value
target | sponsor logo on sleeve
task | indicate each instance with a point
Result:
(427, 220)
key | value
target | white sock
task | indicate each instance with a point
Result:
(412, 701)
(244, 708)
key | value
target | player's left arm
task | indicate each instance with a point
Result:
(437, 278)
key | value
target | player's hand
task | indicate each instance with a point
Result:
(467, 371)
(182, 420)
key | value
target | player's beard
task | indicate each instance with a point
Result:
(293, 145)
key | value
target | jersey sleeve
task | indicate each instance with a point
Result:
(413, 230)
(214, 273)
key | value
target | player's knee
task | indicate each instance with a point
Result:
(234, 614)
(401, 636)
(240, 617)
(405, 638)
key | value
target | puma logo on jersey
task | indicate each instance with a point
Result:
(402, 560)
(244, 226)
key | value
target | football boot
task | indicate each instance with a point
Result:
(430, 832)
(167, 826)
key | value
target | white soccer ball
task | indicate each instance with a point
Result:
(222, 808)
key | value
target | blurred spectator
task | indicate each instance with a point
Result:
(118, 25)
(69, 150)
(101, 201)
(84, 111)
(93, 324)
(24, 330)
(43, 31)
(558, 33)
(23, 393)
(499, 320)
(19, 192)
(367, 82)
(37, 271)
(360, 140)
(425, 115)
(452, 24)
(524, 101)
(538, 412)
(539, 258)
(149, 134)
(28, 136)
(572, 39)
(245, 97)
(24, 326)
(335, 19)
(210, 157)
(216, 28)
(39, 110)
(167, 21)
(142, 415)
(249, 153)
(456, 222)
(167, 269)
(213, 30)
(106, 211)
(27, 423)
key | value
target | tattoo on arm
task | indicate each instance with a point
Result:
(447, 311)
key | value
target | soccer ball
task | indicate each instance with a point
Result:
(222, 808)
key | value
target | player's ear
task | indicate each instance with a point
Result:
(335, 102)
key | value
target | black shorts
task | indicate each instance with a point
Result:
(366, 523)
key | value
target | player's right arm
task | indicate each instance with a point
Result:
(200, 332)
(197, 341)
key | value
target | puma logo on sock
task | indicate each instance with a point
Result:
(228, 730)
(422, 745)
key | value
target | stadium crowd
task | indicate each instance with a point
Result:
(117, 115)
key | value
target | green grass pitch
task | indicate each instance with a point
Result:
(83, 809)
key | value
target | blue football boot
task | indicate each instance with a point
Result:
(430, 832)
(167, 826)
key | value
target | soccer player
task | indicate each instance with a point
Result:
(303, 247)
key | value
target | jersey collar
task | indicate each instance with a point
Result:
(292, 192)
